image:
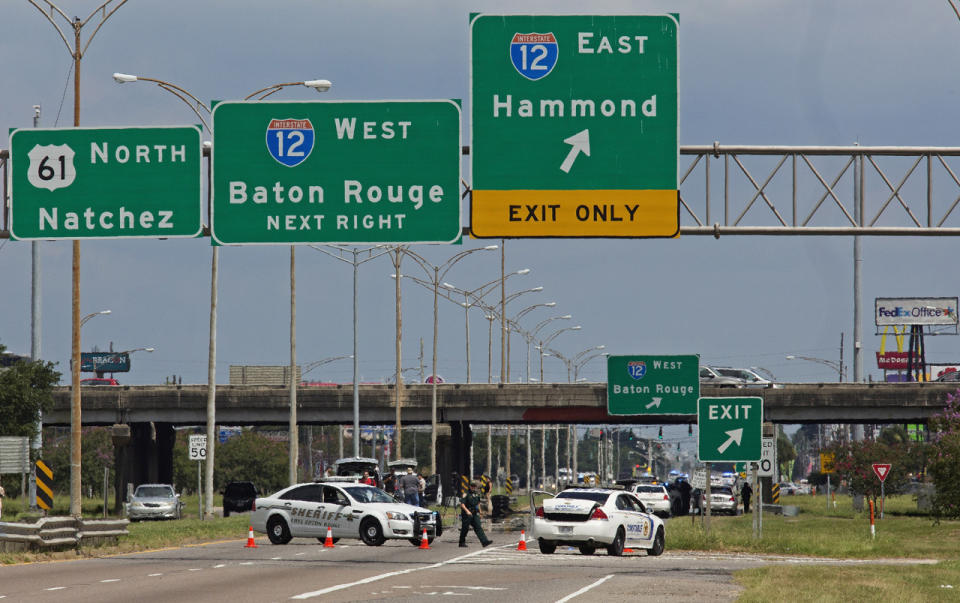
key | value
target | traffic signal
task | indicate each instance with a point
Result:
(660, 434)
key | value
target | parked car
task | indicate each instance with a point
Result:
(655, 498)
(722, 500)
(238, 497)
(154, 501)
(98, 381)
(355, 466)
(789, 489)
(748, 377)
(710, 376)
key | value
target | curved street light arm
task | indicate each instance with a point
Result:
(547, 321)
(354, 252)
(312, 365)
(587, 351)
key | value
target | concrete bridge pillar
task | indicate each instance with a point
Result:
(143, 453)
(453, 456)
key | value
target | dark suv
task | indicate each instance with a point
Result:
(239, 497)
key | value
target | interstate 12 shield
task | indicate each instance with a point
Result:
(290, 140)
(534, 55)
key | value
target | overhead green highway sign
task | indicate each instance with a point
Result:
(574, 126)
(82, 183)
(729, 429)
(653, 385)
(336, 172)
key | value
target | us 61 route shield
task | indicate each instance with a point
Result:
(653, 385)
(336, 172)
(88, 183)
(574, 126)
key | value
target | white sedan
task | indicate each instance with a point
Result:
(350, 510)
(654, 497)
(589, 518)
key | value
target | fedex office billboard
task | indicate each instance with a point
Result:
(916, 311)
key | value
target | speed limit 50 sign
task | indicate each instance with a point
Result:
(198, 447)
(768, 457)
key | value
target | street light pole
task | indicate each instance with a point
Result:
(438, 273)
(355, 262)
(77, 54)
(196, 105)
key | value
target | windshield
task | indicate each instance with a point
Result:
(368, 494)
(154, 492)
(600, 497)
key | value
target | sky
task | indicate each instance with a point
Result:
(751, 73)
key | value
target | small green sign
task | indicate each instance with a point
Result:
(729, 429)
(88, 183)
(336, 172)
(653, 385)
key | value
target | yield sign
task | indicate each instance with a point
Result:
(882, 470)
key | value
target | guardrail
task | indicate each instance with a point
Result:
(60, 533)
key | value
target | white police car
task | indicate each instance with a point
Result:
(589, 518)
(349, 509)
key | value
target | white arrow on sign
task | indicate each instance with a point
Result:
(656, 402)
(578, 142)
(735, 436)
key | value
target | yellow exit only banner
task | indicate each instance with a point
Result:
(574, 213)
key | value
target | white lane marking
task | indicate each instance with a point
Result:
(219, 565)
(466, 587)
(585, 589)
(275, 558)
(337, 587)
(298, 554)
(403, 587)
(153, 575)
(247, 563)
(56, 588)
(194, 569)
(109, 580)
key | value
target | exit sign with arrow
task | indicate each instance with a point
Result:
(574, 126)
(729, 429)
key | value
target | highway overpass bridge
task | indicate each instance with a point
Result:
(483, 403)
(144, 417)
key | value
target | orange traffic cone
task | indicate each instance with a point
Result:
(424, 540)
(250, 543)
(523, 541)
(328, 543)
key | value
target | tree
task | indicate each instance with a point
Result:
(786, 453)
(853, 463)
(944, 460)
(251, 457)
(25, 390)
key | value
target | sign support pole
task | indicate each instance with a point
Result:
(706, 517)
(883, 497)
(199, 490)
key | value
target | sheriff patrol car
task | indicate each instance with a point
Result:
(349, 509)
(589, 518)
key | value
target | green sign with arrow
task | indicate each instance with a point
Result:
(653, 385)
(729, 429)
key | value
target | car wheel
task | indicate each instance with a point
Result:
(657, 548)
(277, 530)
(371, 533)
(586, 549)
(547, 547)
(615, 549)
(226, 513)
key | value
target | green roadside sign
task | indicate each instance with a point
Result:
(653, 385)
(574, 126)
(89, 183)
(336, 172)
(729, 430)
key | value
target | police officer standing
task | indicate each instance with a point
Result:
(470, 516)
